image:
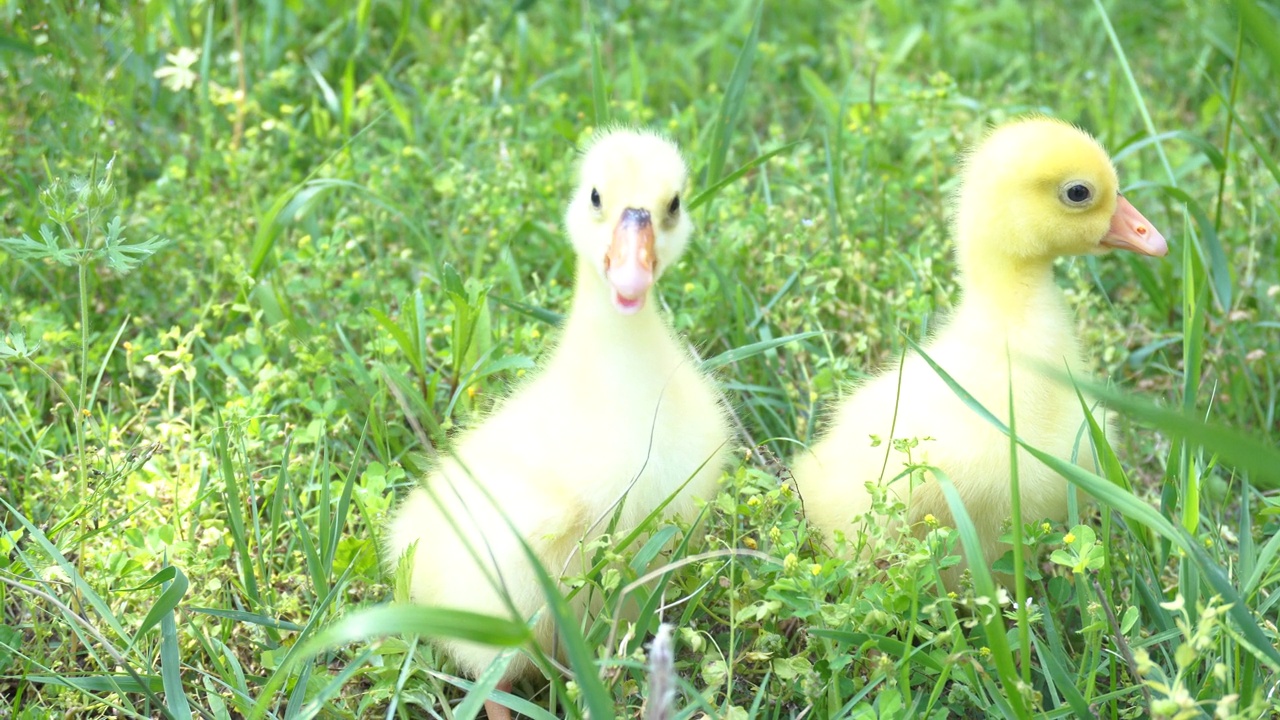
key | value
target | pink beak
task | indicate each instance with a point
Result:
(1131, 231)
(630, 262)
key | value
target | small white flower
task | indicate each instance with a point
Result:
(178, 75)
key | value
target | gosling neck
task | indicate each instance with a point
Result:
(1004, 286)
(592, 314)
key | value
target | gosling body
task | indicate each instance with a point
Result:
(1022, 204)
(620, 413)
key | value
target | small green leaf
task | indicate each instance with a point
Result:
(27, 249)
(791, 668)
(10, 639)
(1128, 619)
(125, 257)
(451, 281)
(14, 345)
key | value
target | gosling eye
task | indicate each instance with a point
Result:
(1076, 193)
(674, 207)
(595, 199)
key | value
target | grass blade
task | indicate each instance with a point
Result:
(733, 177)
(1131, 507)
(599, 92)
(729, 357)
(173, 593)
(985, 586)
(235, 505)
(170, 654)
(1215, 258)
(598, 700)
(731, 105)
(252, 618)
(1261, 26)
(549, 317)
(385, 620)
(485, 686)
(1134, 88)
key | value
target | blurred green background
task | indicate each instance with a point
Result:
(339, 238)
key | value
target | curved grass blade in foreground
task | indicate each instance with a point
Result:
(1131, 507)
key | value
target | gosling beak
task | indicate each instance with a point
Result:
(1130, 231)
(629, 264)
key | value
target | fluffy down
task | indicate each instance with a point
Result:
(1034, 190)
(619, 410)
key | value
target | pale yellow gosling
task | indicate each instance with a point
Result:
(621, 408)
(1034, 190)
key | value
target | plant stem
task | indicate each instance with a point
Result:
(80, 410)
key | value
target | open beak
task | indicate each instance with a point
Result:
(630, 262)
(1130, 231)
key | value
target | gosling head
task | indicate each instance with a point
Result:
(1039, 188)
(627, 218)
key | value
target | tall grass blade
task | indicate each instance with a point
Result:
(106, 683)
(248, 617)
(1134, 87)
(173, 593)
(299, 694)
(1130, 506)
(175, 696)
(1261, 26)
(1213, 255)
(728, 357)
(992, 614)
(317, 703)
(477, 692)
(549, 317)
(599, 91)
(598, 700)
(234, 504)
(731, 105)
(1059, 674)
(715, 188)
(1259, 458)
(270, 222)
(485, 686)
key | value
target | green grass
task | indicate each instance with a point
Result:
(338, 242)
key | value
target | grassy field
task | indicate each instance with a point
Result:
(263, 256)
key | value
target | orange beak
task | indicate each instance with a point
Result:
(631, 260)
(1131, 231)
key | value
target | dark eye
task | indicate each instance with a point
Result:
(674, 207)
(595, 198)
(1078, 193)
